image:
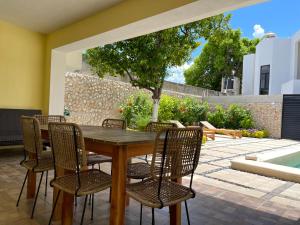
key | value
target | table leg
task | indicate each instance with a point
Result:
(175, 210)
(58, 208)
(67, 209)
(118, 199)
(65, 204)
(31, 185)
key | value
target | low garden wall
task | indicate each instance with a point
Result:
(266, 110)
(90, 99)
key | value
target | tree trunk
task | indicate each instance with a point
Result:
(155, 110)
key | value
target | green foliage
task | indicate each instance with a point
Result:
(221, 55)
(168, 108)
(235, 117)
(255, 133)
(141, 121)
(218, 117)
(191, 111)
(134, 108)
(146, 59)
(238, 117)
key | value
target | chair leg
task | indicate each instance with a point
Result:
(92, 212)
(46, 185)
(90, 199)
(141, 214)
(84, 206)
(110, 187)
(153, 219)
(22, 188)
(187, 212)
(36, 195)
(53, 209)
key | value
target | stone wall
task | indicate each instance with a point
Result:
(90, 99)
(266, 110)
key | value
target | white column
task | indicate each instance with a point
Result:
(57, 83)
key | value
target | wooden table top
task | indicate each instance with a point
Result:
(114, 136)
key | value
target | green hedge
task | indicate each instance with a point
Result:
(234, 117)
(137, 111)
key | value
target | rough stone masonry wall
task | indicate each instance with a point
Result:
(266, 110)
(90, 99)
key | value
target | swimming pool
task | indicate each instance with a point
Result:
(284, 165)
(290, 160)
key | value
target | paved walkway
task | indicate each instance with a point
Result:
(224, 196)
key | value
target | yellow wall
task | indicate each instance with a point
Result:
(22, 67)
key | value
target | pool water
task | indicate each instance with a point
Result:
(291, 160)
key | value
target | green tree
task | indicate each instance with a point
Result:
(221, 55)
(146, 59)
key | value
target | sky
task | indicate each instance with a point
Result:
(279, 16)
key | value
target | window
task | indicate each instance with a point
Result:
(264, 80)
(228, 83)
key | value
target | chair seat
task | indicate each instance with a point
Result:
(91, 181)
(146, 192)
(93, 159)
(46, 154)
(44, 164)
(139, 170)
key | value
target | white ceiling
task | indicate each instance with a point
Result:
(48, 15)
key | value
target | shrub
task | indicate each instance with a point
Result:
(137, 110)
(218, 117)
(235, 117)
(141, 121)
(255, 133)
(238, 117)
(168, 108)
(192, 111)
(135, 107)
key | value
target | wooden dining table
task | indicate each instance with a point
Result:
(121, 145)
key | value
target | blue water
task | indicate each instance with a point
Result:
(296, 166)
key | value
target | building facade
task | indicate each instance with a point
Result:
(274, 68)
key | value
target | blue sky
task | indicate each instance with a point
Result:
(279, 16)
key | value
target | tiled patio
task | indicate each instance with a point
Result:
(224, 196)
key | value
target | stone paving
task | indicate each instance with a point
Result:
(224, 196)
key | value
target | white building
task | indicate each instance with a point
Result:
(274, 69)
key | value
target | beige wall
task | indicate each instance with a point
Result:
(21, 67)
(266, 110)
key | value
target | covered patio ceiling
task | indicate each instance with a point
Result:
(48, 16)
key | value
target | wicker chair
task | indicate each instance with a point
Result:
(96, 159)
(176, 156)
(46, 119)
(141, 170)
(69, 154)
(35, 159)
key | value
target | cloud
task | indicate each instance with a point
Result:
(259, 31)
(176, 73)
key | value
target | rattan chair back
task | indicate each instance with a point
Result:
(31, 136)
(114, 123)
(158, 126)
(46, 119)
(176, 153)
(67, 145)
